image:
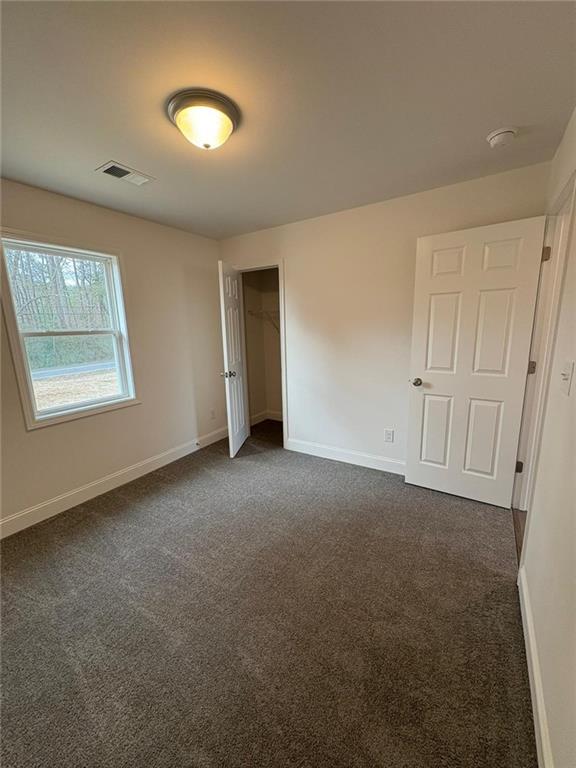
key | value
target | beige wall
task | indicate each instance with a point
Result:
(563, 165)
(171, 295)
(348, 294)
(549, 566)
(263, 343)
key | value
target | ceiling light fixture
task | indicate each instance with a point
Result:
(501, 137)
(206, 118)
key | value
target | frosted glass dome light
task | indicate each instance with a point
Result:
(206, 118)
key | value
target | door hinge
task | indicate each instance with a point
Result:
(532, 366)
(546, 253)
(519, 467)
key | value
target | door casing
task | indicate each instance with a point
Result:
(279, 265)
(558, 228)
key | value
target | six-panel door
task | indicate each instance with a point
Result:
(234, 356)
(474, 300)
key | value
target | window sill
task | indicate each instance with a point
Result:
(37, 422)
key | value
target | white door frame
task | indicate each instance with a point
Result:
(279, 265)
(545, 324)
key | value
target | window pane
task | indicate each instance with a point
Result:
(68, 370)
(54, 292)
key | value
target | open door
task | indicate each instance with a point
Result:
(234, 356)
(474, 300)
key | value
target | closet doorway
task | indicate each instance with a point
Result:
(261, 292)
(252, 311)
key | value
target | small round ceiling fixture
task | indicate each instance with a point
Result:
(501, 137)
(206, 118)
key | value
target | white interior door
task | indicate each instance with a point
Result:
(234, 356)
(474, 300)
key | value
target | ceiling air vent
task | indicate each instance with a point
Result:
(123, 173)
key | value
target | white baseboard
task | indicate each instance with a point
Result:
(258, 417)
(264, 416)
(369, 460)
(543, 746)
(44, 510)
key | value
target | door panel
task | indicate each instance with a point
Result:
(436, 429)
(447, 261)
(483, 436)
(234, 357)
(474, 300)
(502, 254)
(443, 323)
(493, 331)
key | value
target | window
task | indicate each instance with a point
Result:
(67, 330)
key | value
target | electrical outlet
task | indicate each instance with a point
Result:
(388, 435)
(212, 414)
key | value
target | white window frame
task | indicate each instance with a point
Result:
(119, 329)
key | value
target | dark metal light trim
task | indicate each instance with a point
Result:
(203, 97)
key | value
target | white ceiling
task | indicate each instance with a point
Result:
(343, 103)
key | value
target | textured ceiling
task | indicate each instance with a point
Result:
(343, 103)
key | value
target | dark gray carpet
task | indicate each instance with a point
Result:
(272, 611)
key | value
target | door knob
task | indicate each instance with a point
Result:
(417, 382)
